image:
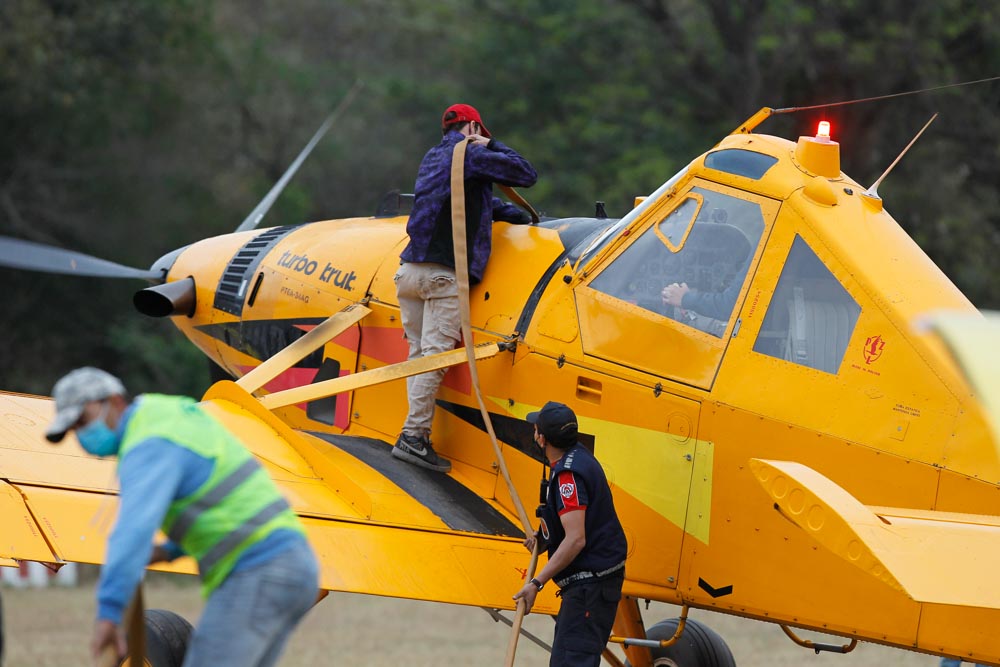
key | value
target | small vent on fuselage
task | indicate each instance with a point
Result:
(235, 282)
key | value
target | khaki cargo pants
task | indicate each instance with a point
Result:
(432, 322)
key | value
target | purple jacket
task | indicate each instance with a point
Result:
(429, 226)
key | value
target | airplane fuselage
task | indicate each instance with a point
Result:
(803, 350)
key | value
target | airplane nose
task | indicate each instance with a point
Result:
(163, 265)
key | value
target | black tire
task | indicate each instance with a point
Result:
(167, 637)
(698, 646)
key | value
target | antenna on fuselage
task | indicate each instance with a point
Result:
(873, 190)
(766, 112)
(265, 204)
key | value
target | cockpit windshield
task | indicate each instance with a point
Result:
(691, 264)
(600, 240)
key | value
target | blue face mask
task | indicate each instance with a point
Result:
(97, 438)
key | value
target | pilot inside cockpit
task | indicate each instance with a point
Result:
(710, 309)
(692, 264)
(705, 310)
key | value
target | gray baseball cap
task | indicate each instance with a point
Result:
(73, 391)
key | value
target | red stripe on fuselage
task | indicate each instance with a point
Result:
(388, 345)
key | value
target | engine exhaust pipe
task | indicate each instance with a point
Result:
(176, 298)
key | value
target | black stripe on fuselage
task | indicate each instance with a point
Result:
(457, 506)
(511, 431)
(262, 339)
(517, 433)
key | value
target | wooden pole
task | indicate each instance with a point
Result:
(135, 635)
(515, 628)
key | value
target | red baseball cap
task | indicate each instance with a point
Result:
(464, 113)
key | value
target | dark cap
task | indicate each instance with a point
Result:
(464, 113)
(557, 423)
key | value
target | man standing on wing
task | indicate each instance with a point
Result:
(425, 282)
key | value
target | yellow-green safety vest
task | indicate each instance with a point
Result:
(237, 506)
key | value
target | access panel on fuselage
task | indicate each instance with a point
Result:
(646, 442)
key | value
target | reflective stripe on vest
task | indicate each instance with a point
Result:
(191, 513)
(233, 539)
(236, 507)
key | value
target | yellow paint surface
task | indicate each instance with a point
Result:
(638, 469)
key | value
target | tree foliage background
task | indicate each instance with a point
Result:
(133, 127)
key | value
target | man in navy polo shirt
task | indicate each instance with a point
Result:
(585, 540)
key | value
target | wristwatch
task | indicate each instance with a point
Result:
(539, 585)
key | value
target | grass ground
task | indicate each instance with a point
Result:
(51, 627)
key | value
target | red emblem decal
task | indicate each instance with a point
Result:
(873, 348)
(566, 490)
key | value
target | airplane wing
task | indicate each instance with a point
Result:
(904, 548)
(377, 527)
(58, 502)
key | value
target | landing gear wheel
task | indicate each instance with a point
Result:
(698, 646)
(167, 637)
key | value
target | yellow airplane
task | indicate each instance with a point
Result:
(808, 436)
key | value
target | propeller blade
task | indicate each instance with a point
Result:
(265, 204)
(19, 254)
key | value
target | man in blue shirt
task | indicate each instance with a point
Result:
(585, 540)
(425, 282)
(953, 662)
(181, 470)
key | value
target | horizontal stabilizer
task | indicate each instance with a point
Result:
(909, 550)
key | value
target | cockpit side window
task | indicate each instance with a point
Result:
(811, 317)
(703, 247)
(673, 230)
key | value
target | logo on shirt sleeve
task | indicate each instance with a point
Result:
(569, 493)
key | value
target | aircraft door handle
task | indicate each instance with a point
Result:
(688, 457)
(588, 390)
